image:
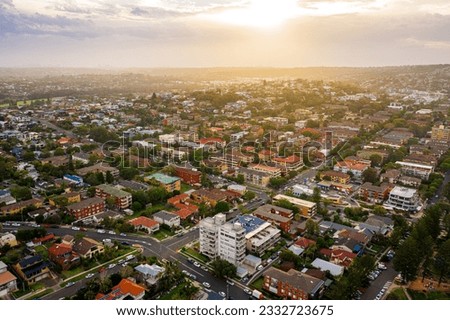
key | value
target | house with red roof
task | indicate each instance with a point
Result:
(145, 224)
(125, 289)
(304, 243)
(339, 256)
(293, 162)
(63, 255)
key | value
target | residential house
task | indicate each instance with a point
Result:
(352, 164)
(145, 224)
(149, 274)
(410, 181)
(32, 269)
(167, 218)
(304, 243)
(63, 255)
(71, 197)
(8, 282)
(8, 239)
(338, 256)
(390, 176)
(293, 162)
(56, 161)
(87, 248)
(293, 284)
(126, 289)
(324, 265)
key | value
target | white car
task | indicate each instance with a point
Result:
(248, 291)
(112, 265)
(222, 294)
(197, 264)
(75, 228)
(89, 275)
(231, 283)
(69, 284)
(206, 285)
(111, 232)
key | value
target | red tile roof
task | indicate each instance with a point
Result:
(144, 221)
(125, 287)
(47, 238)
(290, 159)
(59, 249)
(304, 242)
(211, 140)
(178, 198)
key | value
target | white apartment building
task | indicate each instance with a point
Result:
(219, 239)
(402, 198)
(421, 171)
(263, 238)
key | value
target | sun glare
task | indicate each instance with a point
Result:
(259, 13)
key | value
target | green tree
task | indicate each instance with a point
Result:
(370, 175)
(376, 160)
(277, 182)
(59, 152)
(223, 269)
(442, 261)
(249, 195)
(222, 206)
(109, 177)
(316, 197)
(312, 228)
(21, 193)
(407, 259)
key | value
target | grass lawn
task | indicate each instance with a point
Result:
(397, 294)
(73, 272)
(161, 234)
(195, 254)
(176, 294)
(185, 187)
(35, 286)
(435, 295)
(258, 283)
(42, 250)
(150, 210)
(4, 105)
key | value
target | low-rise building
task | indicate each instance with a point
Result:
(18, 207)
(335, 176)
(410, 181)
(255, 177)
(63, 255)
(278, 216)
(126, 289)
(70, 197)
(86, 208)
(32, 269)
(376, 194)
(293, 162)
(167, 218)
(355, 166)
(307, 208)
(167, 182)
(87, 248)
(189, 176)
(149, 274)
(272, 171)
(293, 284)
(8, 239)
(56, 161)
(122, 198)
(390, 176)
(8, 282)
(145, 224)
(421, 171)
(402, 198)
(324, 265)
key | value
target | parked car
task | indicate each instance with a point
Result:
(69, 284)
(206, 285)
(222, 294)
(197, 264)
(89, 275)
(112, 265)
(231, 283)
(248, 291)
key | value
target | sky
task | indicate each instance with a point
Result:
(223, 33)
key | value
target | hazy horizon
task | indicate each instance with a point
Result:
(143, 34)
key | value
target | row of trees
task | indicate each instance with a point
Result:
(423, 249)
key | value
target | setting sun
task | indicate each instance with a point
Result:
(260, 13)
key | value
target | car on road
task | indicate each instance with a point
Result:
(101, 231)
(121, 261)
(193, 276)
(89, 275)
(111, 232)
(69, 284)
(269, 260)
(123, 234)
(231, 283)
(206, 285)
(112, 265)
(185, 272)
(248, 291)
(15, 224)
(244, 279)
(76, 228)
(260, 267)
(204, 268)
(222, 294)
(124, 264)
(197, 264)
